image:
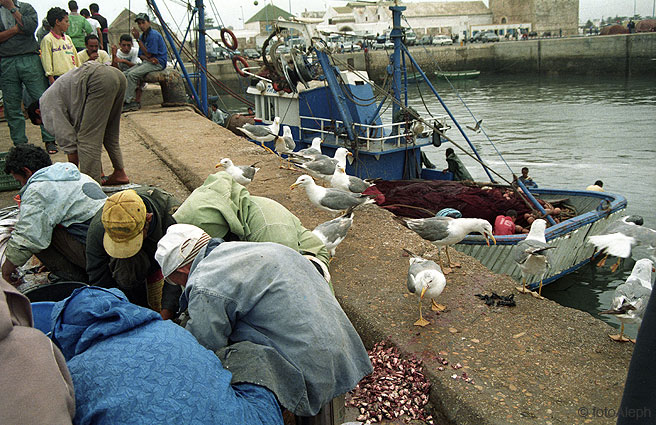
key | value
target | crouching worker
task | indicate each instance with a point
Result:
(224, 209)
(122, 241)
(130, 367)
(268, 314)
(57, 203)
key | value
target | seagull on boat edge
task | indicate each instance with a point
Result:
(242, 174)
(630, 298)
(425, 278)
(532, 256)
(329, 199)
(445, 231)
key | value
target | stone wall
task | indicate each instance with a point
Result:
(544, 15)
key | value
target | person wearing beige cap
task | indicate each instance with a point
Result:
(122, 240)
(268, 314)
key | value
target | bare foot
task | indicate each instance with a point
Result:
(113, 180)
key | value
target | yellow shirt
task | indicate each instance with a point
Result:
(103, 57)
(595, 188)
(58, 54)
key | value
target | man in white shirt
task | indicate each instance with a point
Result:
(125, 57)
(95, 25)
(92, 52)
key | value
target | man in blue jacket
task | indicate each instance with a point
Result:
(268, 314)
(152, 52)
(57, 203)
(131, 367)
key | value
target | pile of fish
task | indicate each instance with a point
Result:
(396, 387)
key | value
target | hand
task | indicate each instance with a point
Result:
(51, 79)
(114, 50)
(93, 56)
(8, 269)
(135, 32)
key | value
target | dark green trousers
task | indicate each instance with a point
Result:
(16, 72)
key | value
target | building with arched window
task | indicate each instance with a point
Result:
(545, 16)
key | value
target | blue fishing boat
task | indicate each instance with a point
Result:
(318, 94)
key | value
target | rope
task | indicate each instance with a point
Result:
(463, 102)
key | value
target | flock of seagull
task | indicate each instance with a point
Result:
(425, 277)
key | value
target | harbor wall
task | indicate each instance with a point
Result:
(623, 54)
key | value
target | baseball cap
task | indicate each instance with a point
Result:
(179, 246)
(141, 16)
(124, 218)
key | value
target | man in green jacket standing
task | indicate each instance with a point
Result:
(20, 66)
(78, 27)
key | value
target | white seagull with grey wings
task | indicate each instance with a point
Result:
(532, 256)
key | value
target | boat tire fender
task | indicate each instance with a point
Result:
(237, 58)
(233, 44)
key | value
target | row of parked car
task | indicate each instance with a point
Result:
(219, 53)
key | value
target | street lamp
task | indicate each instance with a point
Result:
(243, 21)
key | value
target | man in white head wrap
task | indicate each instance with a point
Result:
(268, 314)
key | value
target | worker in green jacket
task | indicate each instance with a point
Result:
(223, 208)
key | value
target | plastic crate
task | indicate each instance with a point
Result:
(7, 182)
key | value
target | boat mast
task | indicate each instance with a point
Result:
(202, 56)
(396, 35)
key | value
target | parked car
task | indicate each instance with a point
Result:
(410, 38)
(442, 40)
(489, 37)
(251, 54)
(425, 40)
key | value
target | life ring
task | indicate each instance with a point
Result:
(237, 58)
(233, 45)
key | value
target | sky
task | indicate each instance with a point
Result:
(232, 16)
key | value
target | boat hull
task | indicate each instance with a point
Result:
(569, 239)
(458, 75)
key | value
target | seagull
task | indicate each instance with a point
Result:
(445, 231)
(311, 153)
(425, 278)
(622, 237)
(262, 133)
(325, 168)
(630, 298)
(242, 174)
(285, 144)
(341, 180)
(328, 199)
(333, 232)
(477, 127)
(532, 256)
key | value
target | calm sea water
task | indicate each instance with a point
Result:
(570, 131)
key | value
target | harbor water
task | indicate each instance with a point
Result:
(569, 131)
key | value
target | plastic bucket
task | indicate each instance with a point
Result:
(41, 313)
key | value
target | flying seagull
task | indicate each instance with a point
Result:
(341, 180)
(262, 133)
(532, 256)
(328, 199)
(242, 174)
(631, 297)
(333, 232)
(425, 278)
(624, 236)
(445, 231)
(477, 127)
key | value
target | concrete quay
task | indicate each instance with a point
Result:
(536, 363)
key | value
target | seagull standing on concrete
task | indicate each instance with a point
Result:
(532, 256)
(623, 237)
(425, 278)
(341, 180)
(328, 199)
(285, 144)
(262, 133)
(242, 174)
(325, 168)
(445, 231)
(311, 153)
(333, 232)
(630, 298)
